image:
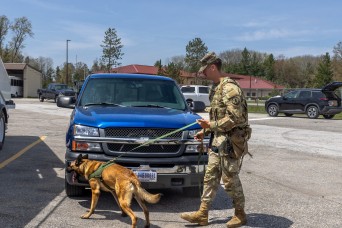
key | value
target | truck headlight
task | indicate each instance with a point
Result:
(86, 131)
(86, 146)
(192, 133)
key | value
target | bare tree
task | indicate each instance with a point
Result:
(21, 28)
(337, 61)
(4, 27)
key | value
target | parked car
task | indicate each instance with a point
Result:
(116, 113)
(312, 102)
(53, 91)
(196, 93)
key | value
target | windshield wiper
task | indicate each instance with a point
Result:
(151, 106)
(105, 104)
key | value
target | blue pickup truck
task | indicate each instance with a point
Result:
(115, 114)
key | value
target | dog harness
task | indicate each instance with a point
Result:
(98, 173)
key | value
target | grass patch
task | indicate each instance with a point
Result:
(256, 109)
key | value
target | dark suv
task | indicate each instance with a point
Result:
(313, 102)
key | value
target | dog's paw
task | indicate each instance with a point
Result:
(85, 216)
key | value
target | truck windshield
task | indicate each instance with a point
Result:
(132, 92)
(60, 87)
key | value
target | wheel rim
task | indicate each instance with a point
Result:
(312, 112)
(272, 110)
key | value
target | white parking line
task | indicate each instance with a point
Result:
(39, 174)
(47, 211)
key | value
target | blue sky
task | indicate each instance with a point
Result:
(159, 29)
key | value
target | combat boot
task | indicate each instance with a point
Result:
(238, 219)
(200, 217)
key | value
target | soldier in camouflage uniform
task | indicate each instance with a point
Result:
(229, 129)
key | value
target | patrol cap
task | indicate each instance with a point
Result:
(208, 59)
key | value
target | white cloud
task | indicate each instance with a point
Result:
(299, 51)
(271, 34)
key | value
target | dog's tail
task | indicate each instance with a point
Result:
(148, 197)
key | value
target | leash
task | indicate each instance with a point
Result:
(97, 173)
(153, 140)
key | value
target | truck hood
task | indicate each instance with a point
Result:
(104, 117)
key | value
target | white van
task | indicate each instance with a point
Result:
(17, 86)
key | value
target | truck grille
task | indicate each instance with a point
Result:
(144, 149)
(141, 132)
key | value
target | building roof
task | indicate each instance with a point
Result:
(15, 66)
(137, 69)
(18, 66)
(245, 81)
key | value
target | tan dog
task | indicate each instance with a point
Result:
(118, 180)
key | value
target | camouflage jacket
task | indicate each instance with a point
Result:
(228, 107)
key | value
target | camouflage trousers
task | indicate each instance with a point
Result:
(222, 166)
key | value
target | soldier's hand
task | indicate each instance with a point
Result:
(203, 123)
(199, 136)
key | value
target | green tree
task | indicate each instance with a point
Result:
(21, 28)
(81, 71)
(324, 73)
(111, 52)
(245, 63)
(159, 65)
(173, 71)
(195, 50)
(58, 75)
(269, 67)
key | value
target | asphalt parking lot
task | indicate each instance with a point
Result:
(293, 180)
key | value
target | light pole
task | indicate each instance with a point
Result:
(250, 86)
(67, 64)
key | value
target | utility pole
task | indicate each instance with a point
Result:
(67, 64)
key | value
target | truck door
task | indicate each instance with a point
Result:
(203, 94)
(288, 103)
(303, 98)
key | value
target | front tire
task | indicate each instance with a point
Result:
(2, 129)
(73, 190)
(272, 110)
(312, 112)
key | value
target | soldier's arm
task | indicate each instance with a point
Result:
(231, 95)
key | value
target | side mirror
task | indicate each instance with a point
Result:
(66, 102)
(196, 106)
(10, 104)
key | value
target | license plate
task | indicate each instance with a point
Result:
(146, 175)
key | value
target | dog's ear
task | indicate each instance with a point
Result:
(78, 159)
(85, 156)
